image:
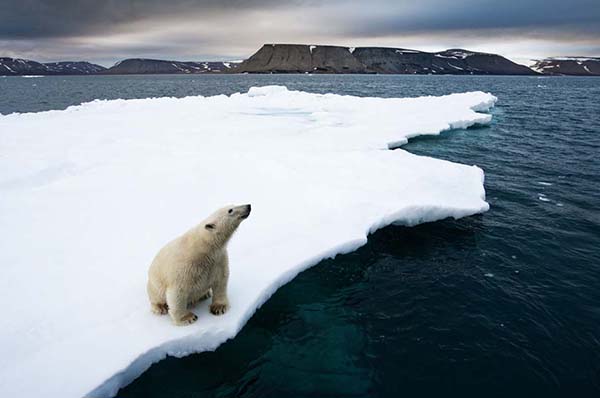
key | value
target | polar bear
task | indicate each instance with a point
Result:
(194, 266)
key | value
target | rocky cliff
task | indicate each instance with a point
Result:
(296, 58)
(288, 58)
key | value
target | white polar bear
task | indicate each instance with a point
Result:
(188, 268)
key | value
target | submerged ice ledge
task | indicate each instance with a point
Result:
(89, 194)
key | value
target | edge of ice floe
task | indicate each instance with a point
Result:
(212, 339)
(482, 120)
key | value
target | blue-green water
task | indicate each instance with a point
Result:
(502, 304)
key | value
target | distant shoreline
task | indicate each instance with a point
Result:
(291, 74)
(321, 59)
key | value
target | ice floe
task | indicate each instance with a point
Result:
(90, 193)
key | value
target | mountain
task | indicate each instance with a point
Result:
(572, 66)
(300, 58)
(291, 58)
(157, 66)
(17, 66)
(74, 68)
(453, 62)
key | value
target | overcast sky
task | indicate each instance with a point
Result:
(105, 31)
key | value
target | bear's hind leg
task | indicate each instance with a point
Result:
(157, 299)
(178, 308)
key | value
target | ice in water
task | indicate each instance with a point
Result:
(89, 194)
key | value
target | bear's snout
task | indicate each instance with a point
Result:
(247, 208)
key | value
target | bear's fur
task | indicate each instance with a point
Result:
(194, 266)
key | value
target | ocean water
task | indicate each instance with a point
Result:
(502, 304)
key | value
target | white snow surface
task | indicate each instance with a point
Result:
(89, 194)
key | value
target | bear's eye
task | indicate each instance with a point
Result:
(230, 211)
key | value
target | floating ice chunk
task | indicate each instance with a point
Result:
(545, 183)
(89, 194)
(266, 91)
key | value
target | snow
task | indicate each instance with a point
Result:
(8, 67)
(454, 66)
(88, 195)
(581, 59)
(351, 49)
(179, 67)
(311, 48)
(456, 54)
(545, 64)
(444, 56)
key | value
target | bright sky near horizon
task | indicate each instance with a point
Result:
(105, 31)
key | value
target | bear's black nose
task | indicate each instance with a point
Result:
(248, 207)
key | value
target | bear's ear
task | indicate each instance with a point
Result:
(210, 226)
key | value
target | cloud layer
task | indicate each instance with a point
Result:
(106, 31)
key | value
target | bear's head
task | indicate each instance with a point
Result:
(222, 223)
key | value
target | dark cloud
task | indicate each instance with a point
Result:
(109, 30)
(577, 16)
(60, 18)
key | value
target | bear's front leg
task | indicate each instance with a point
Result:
(220, 303)
(178, 308)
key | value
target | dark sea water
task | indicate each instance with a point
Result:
(504, 304)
